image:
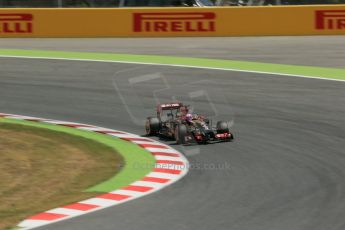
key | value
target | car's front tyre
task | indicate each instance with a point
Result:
(181, 133)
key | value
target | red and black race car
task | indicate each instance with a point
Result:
(173, 121)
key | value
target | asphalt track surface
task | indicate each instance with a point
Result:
(324, 51)
(286, 167)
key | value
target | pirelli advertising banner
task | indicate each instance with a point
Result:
(164, 22)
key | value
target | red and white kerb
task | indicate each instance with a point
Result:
(170, 166)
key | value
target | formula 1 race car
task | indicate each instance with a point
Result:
(173, 121)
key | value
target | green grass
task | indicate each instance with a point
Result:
(42, 169)
(309, 71)
(133, 155)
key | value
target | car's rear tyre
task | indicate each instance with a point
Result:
(152, 126)
(181, 134)
(222, 127)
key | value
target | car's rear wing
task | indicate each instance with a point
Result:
(169, 106)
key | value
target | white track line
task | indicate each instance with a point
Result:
(176, 65)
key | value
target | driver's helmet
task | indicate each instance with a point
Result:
(189, 117)
(184, 110)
